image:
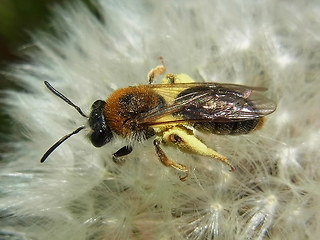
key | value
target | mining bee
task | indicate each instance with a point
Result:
(171, 112)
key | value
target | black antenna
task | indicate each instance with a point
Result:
(64, 98)
(57, 144)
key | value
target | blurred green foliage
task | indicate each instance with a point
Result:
(17, 18)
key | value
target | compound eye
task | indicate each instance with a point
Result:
(98, 104)
(100, 137)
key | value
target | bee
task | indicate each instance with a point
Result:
(170, 112)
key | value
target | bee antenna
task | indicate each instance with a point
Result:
(57, 144)
(64, 98)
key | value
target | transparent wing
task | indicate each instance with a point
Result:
(205, 102)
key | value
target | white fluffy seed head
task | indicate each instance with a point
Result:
(79, 193)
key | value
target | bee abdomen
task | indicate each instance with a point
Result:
(230, 128)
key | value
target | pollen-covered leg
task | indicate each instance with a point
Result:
(185, 140)
(155, 72)
(169, 162)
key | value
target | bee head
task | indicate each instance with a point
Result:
(101, 133)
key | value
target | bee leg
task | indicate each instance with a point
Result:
(185, 140)
(168, 162)
(117, 156)
(155, 72)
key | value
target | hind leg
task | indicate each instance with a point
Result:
(185, 140)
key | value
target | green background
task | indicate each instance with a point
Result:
(19, 18)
